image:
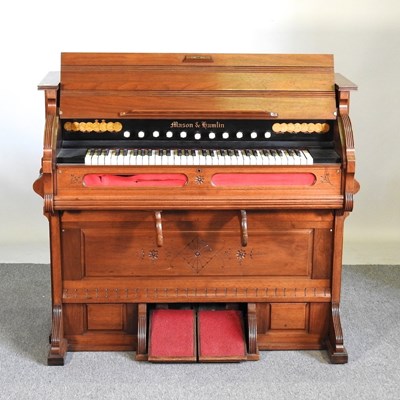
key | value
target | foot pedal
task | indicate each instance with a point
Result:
(221, 336)
(172, 336)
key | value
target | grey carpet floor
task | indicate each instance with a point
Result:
(370, 317)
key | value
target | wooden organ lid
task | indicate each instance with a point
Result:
(131, 85)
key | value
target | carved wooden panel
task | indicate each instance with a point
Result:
(120, 252)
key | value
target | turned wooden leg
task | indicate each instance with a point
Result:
(58, 344)
(336, 350)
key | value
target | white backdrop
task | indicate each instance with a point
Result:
(364, 36)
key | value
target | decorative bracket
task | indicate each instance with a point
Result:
(58, 343)
(141, 350)
(336, 350)
(252, 353)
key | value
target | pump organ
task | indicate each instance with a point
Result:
(196, 183)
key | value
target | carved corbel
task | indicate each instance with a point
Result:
(44, 185)
(252, 351)
(141, 350)
(350, 184)
(58, 344)
(336, 350)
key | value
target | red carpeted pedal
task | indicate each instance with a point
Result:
(221, 336)
(172, 335)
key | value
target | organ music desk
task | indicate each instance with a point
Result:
(196, 204)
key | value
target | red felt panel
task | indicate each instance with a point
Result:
(137, 180)
(220, 335)
(172, 335)
(264, 179)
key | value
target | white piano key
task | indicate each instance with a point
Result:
(214, 156)
(264, 157)
(158, 157)
(303, 159)
(139, 157)
(101, 157)
(152, 157)
(296, 158)
(170, 157)
(95, 157)
(253, 159)
(232, 157)
(196, 157)
(164, 157)
(310, 160)
(189, 157)
(120, 158)
(202, 157)
(131, 157)
(209, 158)
(107, 157)
(88, 156)
(145, 157)
(281, 158)
(177, 157)
(114, 157)
(227, 158)
(220, 158)
(258, 156)
(239, 157)
(246, 157)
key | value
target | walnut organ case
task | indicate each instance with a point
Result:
(196, 204)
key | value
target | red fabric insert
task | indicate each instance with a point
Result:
(172, 334)
(264, 179)
(220, 334)
(137, 180)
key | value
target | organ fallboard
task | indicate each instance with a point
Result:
(203, 194)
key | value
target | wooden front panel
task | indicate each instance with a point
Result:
(289, 316)
(111, 260)
(127, 252)
(287, 326)
(105, 316)
(124, 244)
(80, 104)
(199, 191)
(100, 326)
(206, 79)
